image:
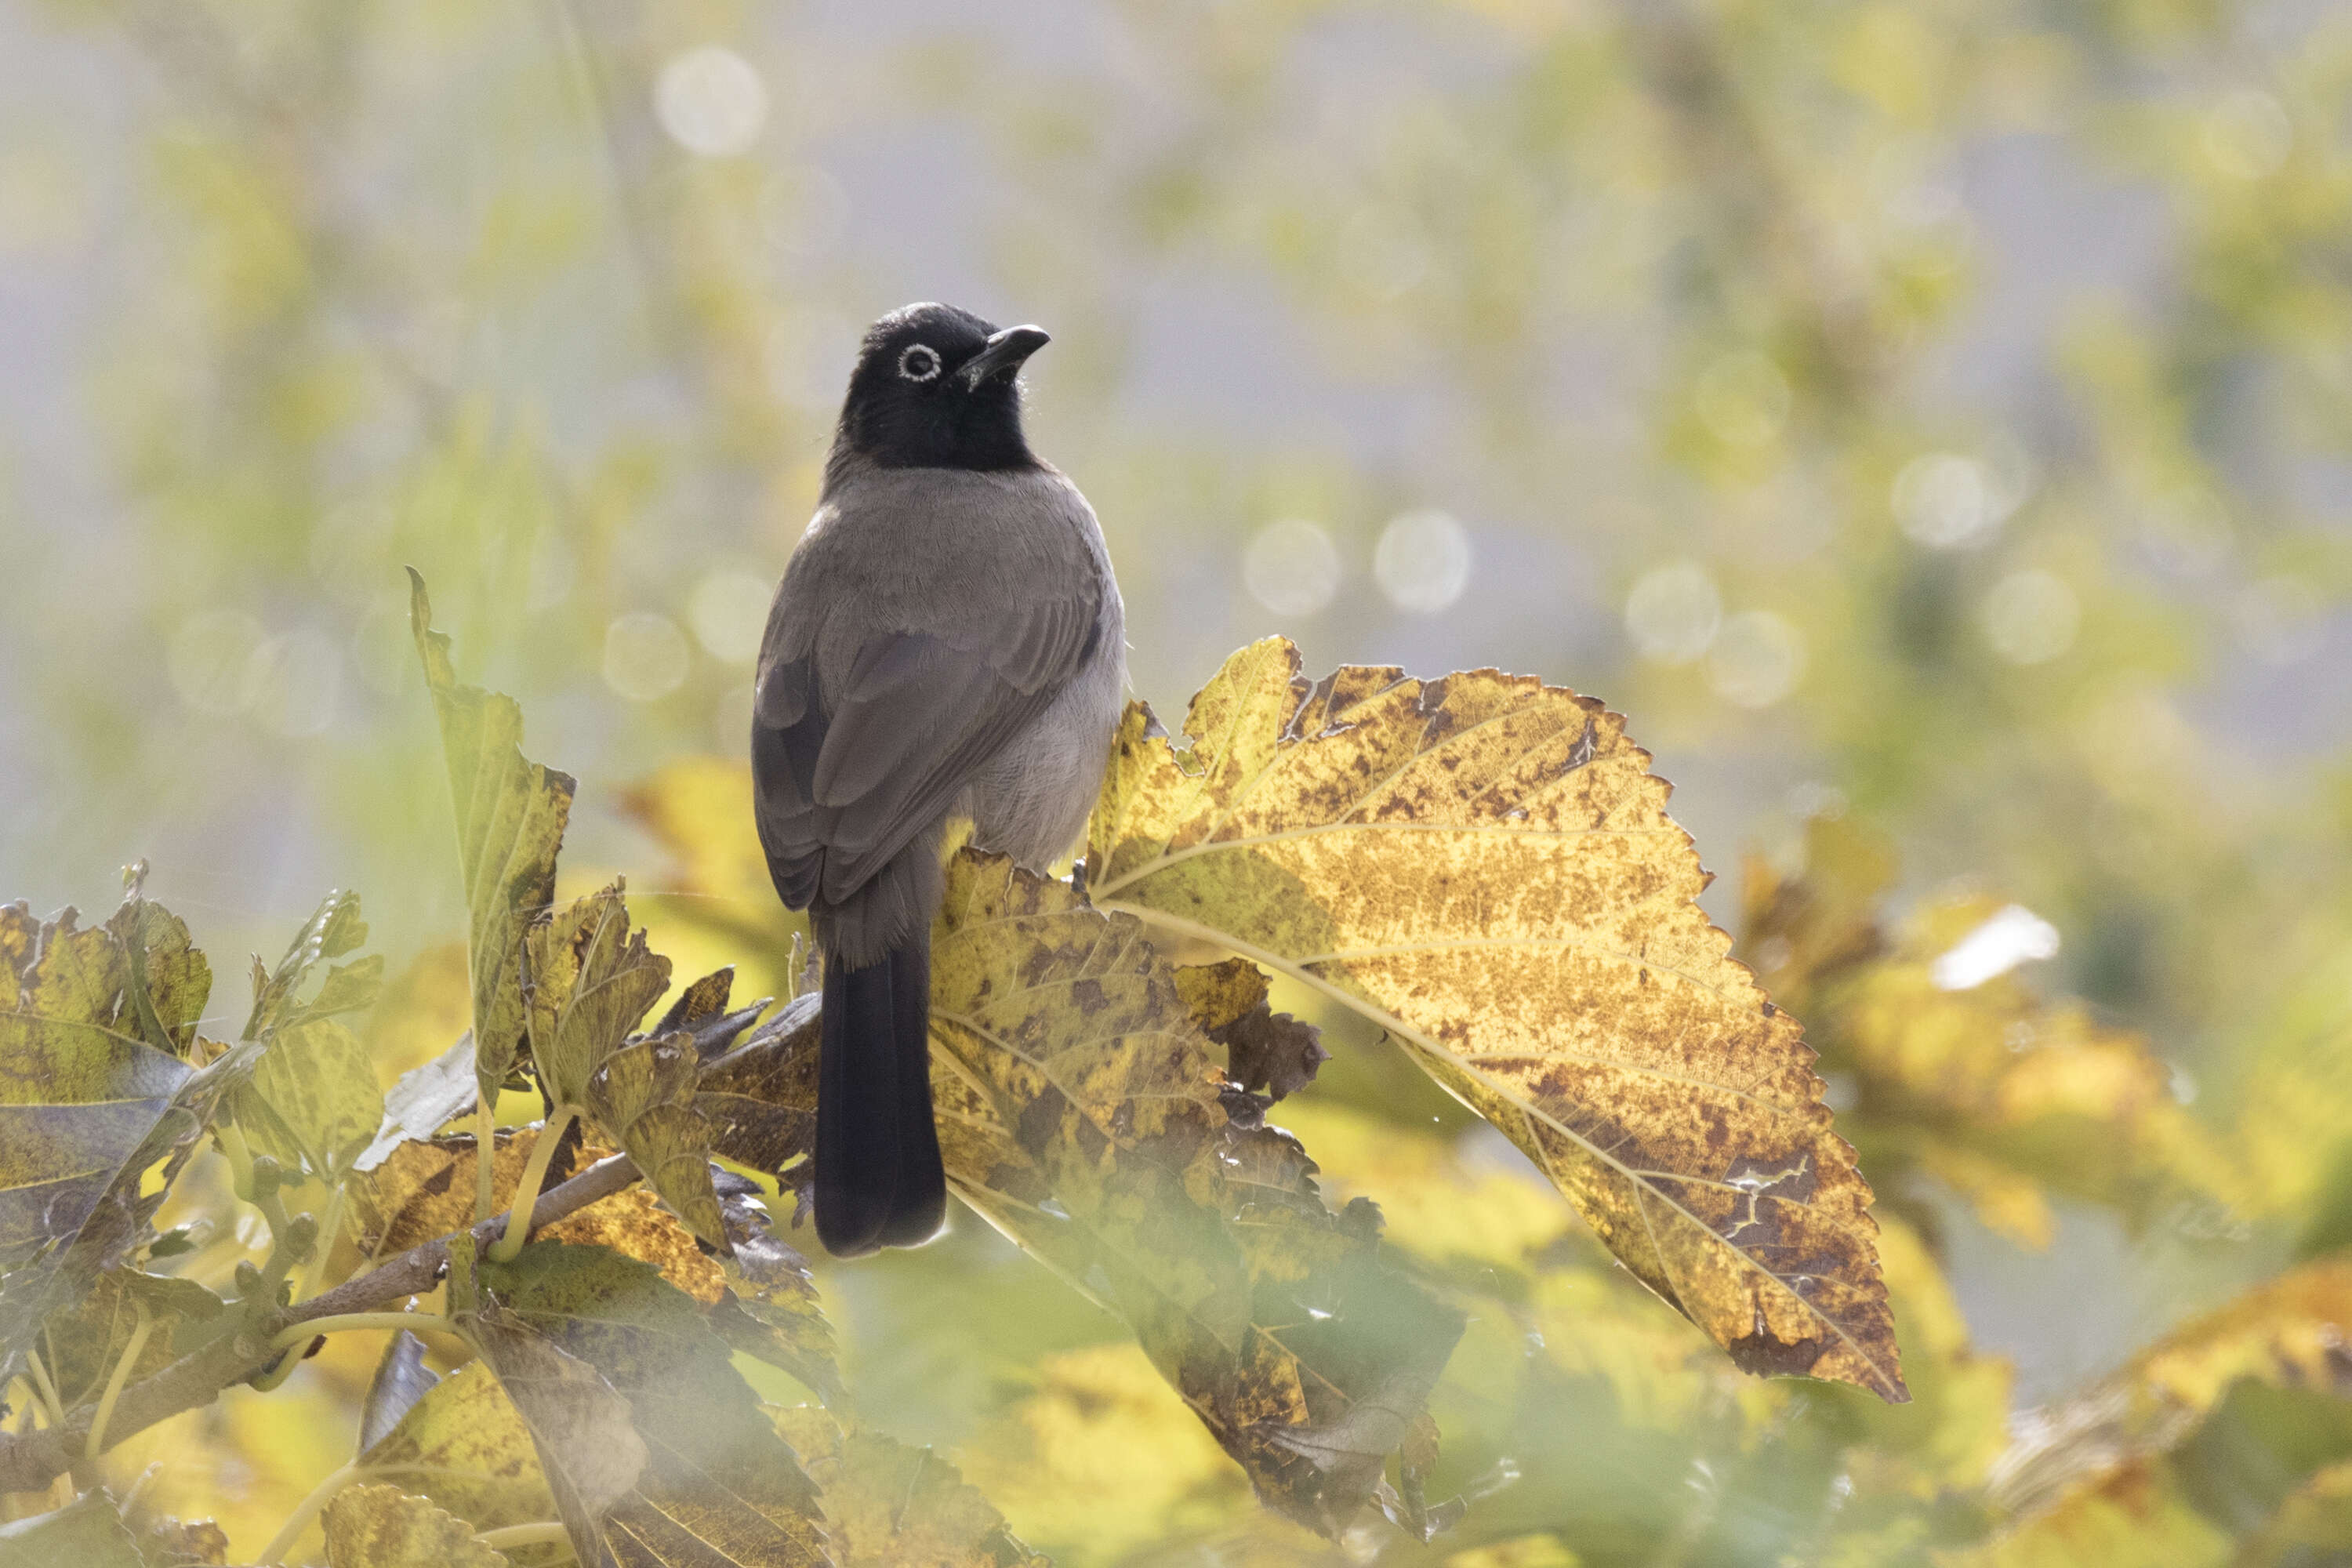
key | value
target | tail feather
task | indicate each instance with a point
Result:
(879, 1182)
(919, 1206)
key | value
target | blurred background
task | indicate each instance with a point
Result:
(1930, 421)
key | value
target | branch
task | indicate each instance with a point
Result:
(31, 1461)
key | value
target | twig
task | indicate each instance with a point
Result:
(30, 1460)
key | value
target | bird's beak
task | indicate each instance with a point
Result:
(1003, 355)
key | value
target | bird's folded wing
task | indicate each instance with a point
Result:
(914, 717)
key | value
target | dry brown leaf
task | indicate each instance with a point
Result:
(1484, 866)
(1265, 1051)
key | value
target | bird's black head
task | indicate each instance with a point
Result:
(936, 387)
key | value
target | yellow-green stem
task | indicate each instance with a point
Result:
(240, 1158)
(306, 1510)
(50, 1404)
(486, 1151)
(416, 1322)
(538, 1534)
(526, 1197)
(140, 1330)
(315, 1272)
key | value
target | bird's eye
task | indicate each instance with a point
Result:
(918, 362)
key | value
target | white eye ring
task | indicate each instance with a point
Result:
(925, 368)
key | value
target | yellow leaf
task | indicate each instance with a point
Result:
(384, 1527)
(1100, 1458)
(888, 1505)
(2289, 1332)
(463, 1445)
(1484, 867)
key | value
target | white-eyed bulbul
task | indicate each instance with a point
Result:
(945, 643)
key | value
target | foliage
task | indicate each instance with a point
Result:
(1967, 379)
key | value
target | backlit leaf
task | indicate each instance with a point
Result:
(312, 1104)
(694, 1474)
(760, 1098)
(334, 930)
(2290, 1333)
(643, 1095)
(1081, 1111)
(384, 1527)
(464, 1445)
(1484, 867)
(510, 819)
(888, 1505)
(81, 1346)
(591, 981)
(88, 1107)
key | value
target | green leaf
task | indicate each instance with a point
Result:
(334, 930)
(424, 1101)
(643, 1094)
(168, 980)
(384, 1527)
(465, 1446)
(660, 1446)
(510, 819)
(81, 1344)
(888, 1505)
(311, 1103)
(1483, 867)
(85, 1534)
(86, 1110)
(591, 981)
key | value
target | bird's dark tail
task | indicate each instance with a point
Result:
(878, 1178)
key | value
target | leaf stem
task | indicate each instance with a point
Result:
(95, 1444)
(539, 1533)
(486, 1154)
(525, 1196)
(303, 1332)
(47, 1390)
(314, 1273)
(309, 1509)
(240, 1158)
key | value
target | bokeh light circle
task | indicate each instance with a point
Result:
(644, 655)
(1756, 659)
(1291, 567)
(1423, 561)
(1674, 612)
(711, 101)
(2030, 617)
(729, 612)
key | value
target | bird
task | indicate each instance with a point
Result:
(947, 642)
